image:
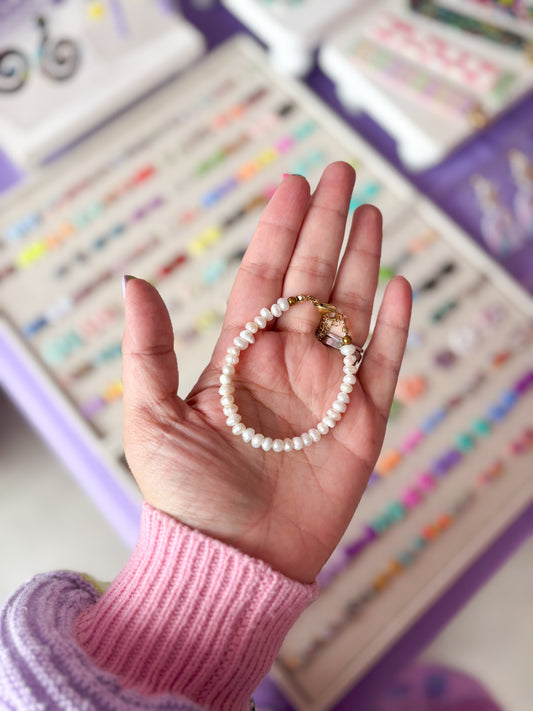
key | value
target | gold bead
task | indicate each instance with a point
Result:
(292, 300)
(346, 340)
(300, 297)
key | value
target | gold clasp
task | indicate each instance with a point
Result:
(327, 309)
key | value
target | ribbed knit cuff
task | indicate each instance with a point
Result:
(190, 615)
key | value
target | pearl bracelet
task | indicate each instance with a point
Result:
(353, 356)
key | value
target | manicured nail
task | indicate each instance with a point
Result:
(125, 280)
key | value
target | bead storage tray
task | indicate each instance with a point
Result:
(172, 191)
(431, 85)
(292, 29)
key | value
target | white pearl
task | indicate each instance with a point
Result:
(231, 359)
(266, 445)
(260, 321)
(349, 360)
(265, 313)
(227, 400)
(343, 397)
(349, 378)
(275, 310)
(297, 443)
(287, 445)
(348, 349)
(248, 434)
(339, 406)
(322, 428)
(230, 410)
(329, 421)
(240, 343)
(251, 326)
(350, 369)
(228, 369)
(335, 414)
(225, 379)
(306, 438)
(233, 351)
(239, 428)
(226, 390)
(248, 336)
(257, 440)
(233, 419)
(315, 434)
(277, 445)
(283, 303)
(346, 387)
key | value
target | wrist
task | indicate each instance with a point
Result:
(191, 615)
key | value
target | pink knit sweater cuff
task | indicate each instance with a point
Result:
(190, 615)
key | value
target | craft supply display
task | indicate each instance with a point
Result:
(171, 191)
(413, 73)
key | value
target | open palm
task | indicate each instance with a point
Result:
(290, 508)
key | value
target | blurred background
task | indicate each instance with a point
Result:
(441, 91)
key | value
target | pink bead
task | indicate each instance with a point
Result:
(425, 482)
(410, 498)
(411, 441)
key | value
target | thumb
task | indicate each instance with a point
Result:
(149, 365)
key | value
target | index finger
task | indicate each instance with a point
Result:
(259, 280)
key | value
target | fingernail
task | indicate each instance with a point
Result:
(125, 279)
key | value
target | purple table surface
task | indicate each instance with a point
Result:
(444, 184)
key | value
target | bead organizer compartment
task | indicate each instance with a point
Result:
(454, 471)
(431, 85)
(171, 192)
(292, 29)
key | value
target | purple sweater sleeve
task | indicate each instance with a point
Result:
(189, 623)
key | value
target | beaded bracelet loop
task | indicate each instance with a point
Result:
(353, 356)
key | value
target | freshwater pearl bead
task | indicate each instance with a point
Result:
(335, 414)
(266, 445)
(257, 440)
(240, 343)
(306, 439)
(322, 428)
(248, 336)
(266, 314)
(339, 406)
(245, 339)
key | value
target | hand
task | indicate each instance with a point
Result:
(289, 509)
